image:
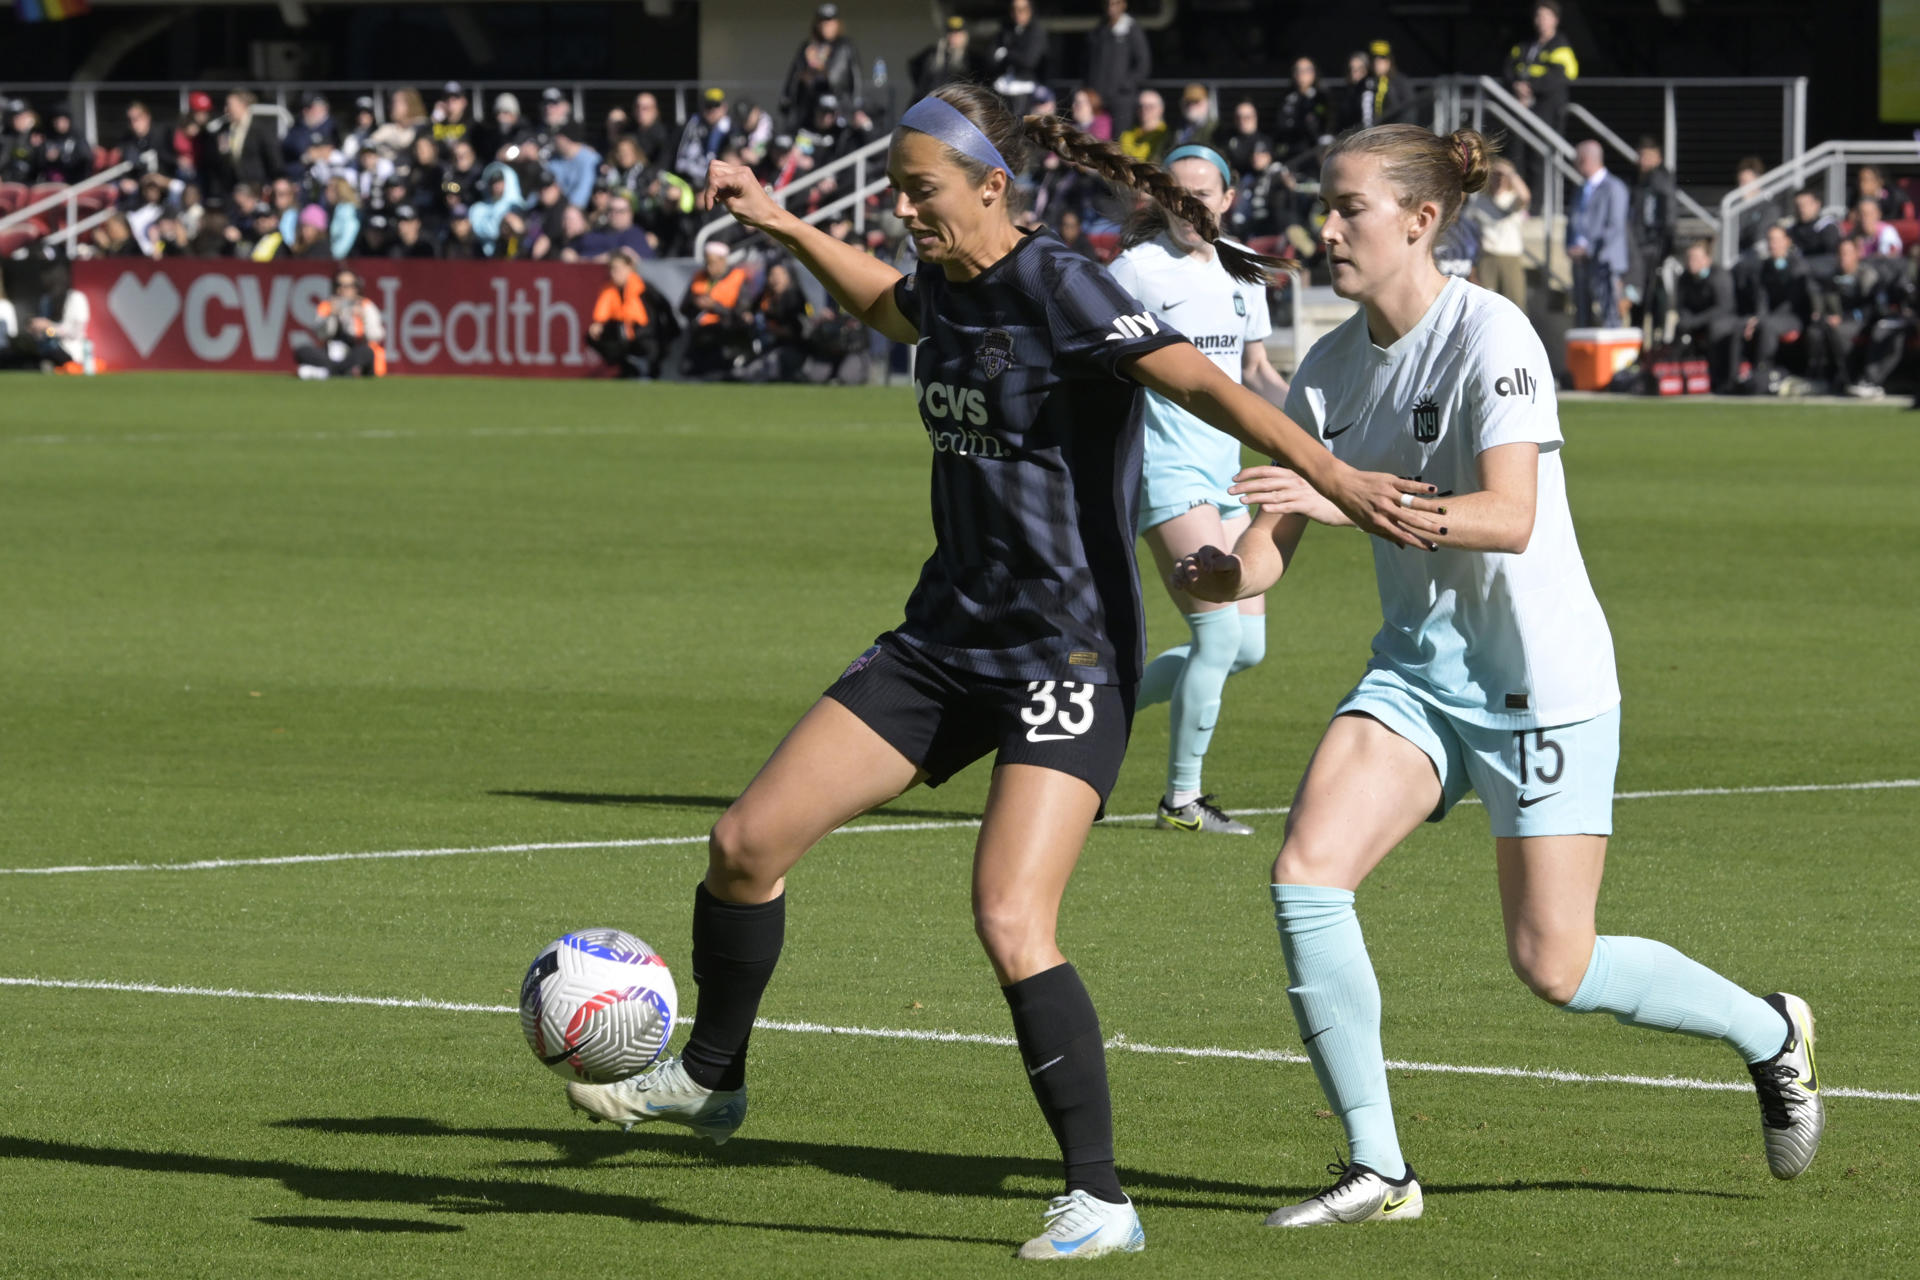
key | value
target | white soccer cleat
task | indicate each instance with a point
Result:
(1084, 1226)
(664, 1093)
(1360, 1195)
(1199, 816)
(1792, 1116)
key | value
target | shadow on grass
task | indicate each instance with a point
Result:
(709, 802)
(322, 1222)
(929, 1172)
(438, 1193)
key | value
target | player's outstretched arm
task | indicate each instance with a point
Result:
(1258, 559)
(1371, 499)
(859, 282)
(1279, 491)
(1496, 517)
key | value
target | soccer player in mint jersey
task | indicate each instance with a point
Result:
(1188, 466)
(1022, 640)
(1493, 671)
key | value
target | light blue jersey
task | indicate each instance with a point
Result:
(1188, 462)
(1502, 641)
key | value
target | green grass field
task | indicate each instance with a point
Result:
(247, 619)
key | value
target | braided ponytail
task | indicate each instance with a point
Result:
(1168, 198)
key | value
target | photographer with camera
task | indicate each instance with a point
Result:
(348, 336)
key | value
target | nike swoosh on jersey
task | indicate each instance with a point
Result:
(1328, 435)
(1528, 804)
(1168, 306)
(1034, 735)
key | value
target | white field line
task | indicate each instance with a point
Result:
(217, 864)
(1117, 1043)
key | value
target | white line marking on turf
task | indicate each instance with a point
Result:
(217, 864)
(1118, 1043)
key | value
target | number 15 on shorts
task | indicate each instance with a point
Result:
(1058, 716)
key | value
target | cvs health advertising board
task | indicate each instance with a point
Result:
(510, 319)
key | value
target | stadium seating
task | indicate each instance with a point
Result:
(14, 239)
(13, 195)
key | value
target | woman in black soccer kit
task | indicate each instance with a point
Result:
(1024, 638)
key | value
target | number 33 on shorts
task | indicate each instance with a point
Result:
(1058, 716)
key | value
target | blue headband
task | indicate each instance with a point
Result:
(940, 119)
(1212, 157)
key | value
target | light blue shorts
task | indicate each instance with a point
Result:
(1229, 505)
(1535, 782)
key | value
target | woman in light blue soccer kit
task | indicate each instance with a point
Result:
(1188, 465)
(1493, 672)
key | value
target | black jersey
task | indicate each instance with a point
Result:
(1036, 466)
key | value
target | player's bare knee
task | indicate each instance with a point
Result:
(733, 855)
(1305, 861)
(1009, 930)
(1552, 974)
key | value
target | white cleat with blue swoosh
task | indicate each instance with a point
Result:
(664, 1093)
(1084, 1226)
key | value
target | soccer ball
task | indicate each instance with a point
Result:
(598, 1005)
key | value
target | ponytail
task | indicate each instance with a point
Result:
(1012, 137)
(1422, 166)
(1167, 198)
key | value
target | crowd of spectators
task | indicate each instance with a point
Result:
(1815, 302)
(402, 179)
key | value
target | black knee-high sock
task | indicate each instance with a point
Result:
(735, 946)
(1059, 1035)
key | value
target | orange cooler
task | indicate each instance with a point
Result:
(1595, 355)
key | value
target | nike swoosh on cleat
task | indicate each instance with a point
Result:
(1070, 1245)
(1394, 1206)
(1528, 804)
(656, 1110)
(1328, 435)
(1184, 824)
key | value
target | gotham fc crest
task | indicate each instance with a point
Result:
(1426, 421)
(995, 354)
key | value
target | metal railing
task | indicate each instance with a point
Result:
(68, 195)
(1462, 100)
(1611, 139)
(867, 179)
(1829, 158)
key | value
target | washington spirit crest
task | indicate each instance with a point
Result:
(1426, 421)
(995, 355)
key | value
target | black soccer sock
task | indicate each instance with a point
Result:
(1059, 1035)
(735, 946)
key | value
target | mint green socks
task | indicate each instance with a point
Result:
(1336, 1001)
(1644, 983)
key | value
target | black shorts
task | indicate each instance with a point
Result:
(943, 720)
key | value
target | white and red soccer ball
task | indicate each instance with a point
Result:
(598, 1005)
